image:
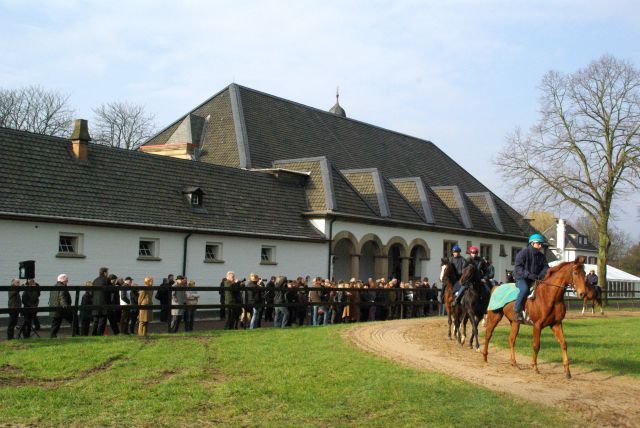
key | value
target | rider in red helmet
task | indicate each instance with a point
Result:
(481, 271)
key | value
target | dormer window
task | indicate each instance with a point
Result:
(195, 196)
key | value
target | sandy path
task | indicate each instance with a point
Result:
(602, 399)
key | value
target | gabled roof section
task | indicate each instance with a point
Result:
(189, 131)
(401, 209)
(485, 204)
(219, 141)
(319, 188)
(414, 192)
(452, 198)
(571, 240)
(348, 199)
(369, 183)
(124, 188)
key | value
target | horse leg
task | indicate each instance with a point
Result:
(515, 328)
(593, 307)
(601, 307)
(584, 305)
(493, 318)
(475, 332)
(463, 338)
(536, 347)
(450, 319)
(559, 334)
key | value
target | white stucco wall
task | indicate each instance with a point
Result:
(435, 241)
(118, 250)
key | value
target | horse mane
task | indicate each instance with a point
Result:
(468, 273)
(556, 268)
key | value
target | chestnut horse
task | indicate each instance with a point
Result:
(449, 277)
(593, 295)
(546, 310)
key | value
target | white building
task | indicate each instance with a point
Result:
(251, 183)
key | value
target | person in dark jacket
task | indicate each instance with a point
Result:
(133, 310)
(112, 297)
(231, 296)
(14, 306)
(60, 299)
(481, 272)
(457, 261)
(125, 301)
(592, 278)
(268, 299)
(30, 301)
(281, 317)
(254, 298)
(99, 298)
(164, 297)
(531, 265)
(86, 315)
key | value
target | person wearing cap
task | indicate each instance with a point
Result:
(481, 272)
(531, 265)
(457, 261)
(60, 299)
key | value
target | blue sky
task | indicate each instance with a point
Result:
(462, 74)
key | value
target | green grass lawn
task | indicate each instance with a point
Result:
(607, 344)
(270, 377)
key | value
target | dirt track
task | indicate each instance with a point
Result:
(601, 399)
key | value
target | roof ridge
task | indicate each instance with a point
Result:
(329, 114)
(36, 134)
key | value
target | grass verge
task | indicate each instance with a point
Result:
(602, 344)
(295, 377)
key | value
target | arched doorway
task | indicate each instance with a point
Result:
(343, 252)
(395, 261)
(371, 257)
(417, 262)
(419, 254)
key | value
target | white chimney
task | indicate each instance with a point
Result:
(561, 233)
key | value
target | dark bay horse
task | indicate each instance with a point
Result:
(547, 310)
(473, 304)
(593, 295)
(449, 278)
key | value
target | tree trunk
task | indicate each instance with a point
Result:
(603, 249)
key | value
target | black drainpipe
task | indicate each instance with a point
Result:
(184, 254)
(330, 240)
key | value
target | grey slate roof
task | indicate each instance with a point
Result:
(41, 178)
(269, 128)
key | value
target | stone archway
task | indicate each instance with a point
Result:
(419, 253)
(371, 258)
(397, 254)
(344, 256)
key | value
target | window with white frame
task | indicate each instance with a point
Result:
(148, 249)
(70, 245)
(213, 252)
(267, 255)
(486, 251)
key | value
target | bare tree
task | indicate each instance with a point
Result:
(584, 149)
(121, 124)
(35, 109)
(619, 240)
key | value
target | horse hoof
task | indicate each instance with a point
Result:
(568, 375)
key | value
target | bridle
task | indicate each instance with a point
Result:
(563, 287)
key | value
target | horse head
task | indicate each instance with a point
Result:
(469, 274)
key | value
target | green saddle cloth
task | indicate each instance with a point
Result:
(502, 295)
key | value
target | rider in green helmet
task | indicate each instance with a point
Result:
(531, 265)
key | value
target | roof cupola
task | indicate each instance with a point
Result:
(336, 109)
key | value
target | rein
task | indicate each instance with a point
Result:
(564, 287)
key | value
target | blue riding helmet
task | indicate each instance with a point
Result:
(456, 249)
(536, 237)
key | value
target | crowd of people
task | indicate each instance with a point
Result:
(113, 303)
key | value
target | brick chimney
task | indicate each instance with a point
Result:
(80, 139)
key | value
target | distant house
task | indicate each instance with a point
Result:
(247, 182)
(566, 243)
